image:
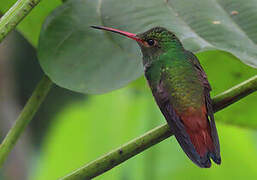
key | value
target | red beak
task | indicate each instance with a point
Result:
(124, 33)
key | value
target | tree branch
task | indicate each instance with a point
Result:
(14, 15)
(154, 136)
(235, 93)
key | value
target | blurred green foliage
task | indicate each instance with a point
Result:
(82, 131)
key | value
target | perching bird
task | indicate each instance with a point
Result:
(181, 90)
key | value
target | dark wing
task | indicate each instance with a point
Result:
(162, 95)
(207, 88)
(180, 133)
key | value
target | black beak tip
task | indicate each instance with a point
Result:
(95, 27)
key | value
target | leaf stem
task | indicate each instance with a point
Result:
(25, 117)
(158, 134)
(14, 15)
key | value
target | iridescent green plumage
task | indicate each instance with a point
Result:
(181, 90)
(180, 79)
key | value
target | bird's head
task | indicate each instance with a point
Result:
(153, 42)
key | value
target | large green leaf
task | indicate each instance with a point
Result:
(89, 61)
(228, 25)
(30, 27)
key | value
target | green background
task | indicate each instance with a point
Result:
(72, 129)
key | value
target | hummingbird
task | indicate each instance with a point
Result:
(181, 90)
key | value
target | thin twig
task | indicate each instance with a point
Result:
(235, 93)
(24, 118)
(154, 136)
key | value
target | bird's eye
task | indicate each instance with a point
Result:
(150, 42)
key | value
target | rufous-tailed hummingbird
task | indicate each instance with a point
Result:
(181, 90)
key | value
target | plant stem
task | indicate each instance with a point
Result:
(14, 15)
(235, 93)
(24, 118)
(7, 23)
(154, 136)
